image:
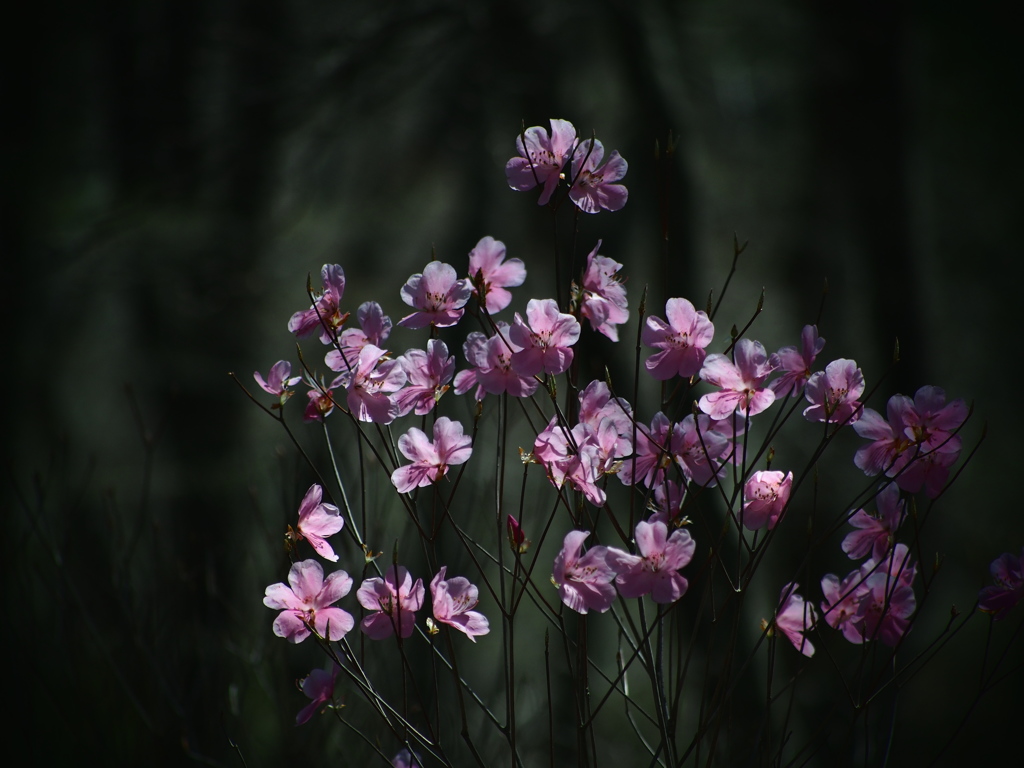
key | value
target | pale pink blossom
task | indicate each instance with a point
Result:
(585, 582)
(394, 601)
(437, 294)
(602, 295)
(766, 494)
(453, 601)
(490, 274)
(374, 328)
(542, 158)
(370, 384)
(325, 314)
(431, 459)
(742, 387)
(318, 685)
(307, 602)
(655, 569)
(545, 341)
(428, 376)
(703, 451)
(492, 372)
(593, 187)
(317, 521)
(573, 456)
(834, 394)
(682, 340)
(875, 535)
(279, 380)
(1008, 573)
(796, 363)
(794, 618)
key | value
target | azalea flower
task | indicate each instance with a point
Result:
(576, 456)
(795, 617)
(655, 570)
(431, 459)
(796, 363)
(317, 521)
(544, 343)
(703, 451)
(428, 376)
(321, 401)
(1008, 572)
(875, 535)
(594, 188)
(682, 340)
(767, 494)
(585, 583)
(490, 274)
(492, 372)
(656, 448)
(370, 383)
(325, 313)
(834, 393)
(394, 601)
(453, 601)
(438, 296)
(603, 297)
(307, 601)
(541, 158)
(318, 685)
(742, 383)
(279, 380)
(374, 329)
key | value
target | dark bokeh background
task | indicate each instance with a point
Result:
(173, 169)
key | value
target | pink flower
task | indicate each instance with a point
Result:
(834, 393)
(667, 503)
(428, 375)
(585, 583)
(541, 158)
(1008, 572)
(795, 617)
(453, 601)
(796, 363)
(369, 384)
(317, 521)
(767, 494)
(406, 759)
(517, 540)
(394, 601)
(594, 188)
(603, 296)
(437, 294)
(493, 373)
(841, 607)
(703, 452)
(575, 456)
(308, 602)
(655, 451)
(325, 313)
(742, 383)
(544, 343)
(279, 381)
(490, 274)
(876, 534)
(321, 401)
(431, 459)
(682, 340)
(318, 685)
(374, 329)
(655, 570)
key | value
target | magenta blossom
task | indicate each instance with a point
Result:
(490, 274)
(279, 381)
(594, 188)
(545, 342)
(656, 448)
(602, 295)
(394, 601)
(655, 570)
(1008, 572)
(308, 603)
(875, 535)
(428, 376)
(742, 387)
(541, 158)
(767, 494)
(453, 602)
(492, 372)
(796, 363)
(834, 394)
(585, 583)
(682, 340)
(317, 521)
(325, 314)
(430, 460)
(438, 296)
(370, 384)
(794, 618)
(318, 685)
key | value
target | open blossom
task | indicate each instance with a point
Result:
(656, 448)
(318, 685)
(795, 617)
(572, 456)
(834, 394)
(307, 601)
(541, 158)
(703, 451)
(453, 602)
(490, 274)
(603, 297)
(545, 342)
(875, 535)
(374, 328)
(1008, 572)
(370, 384)
(428, 376)
(655, 569)
(492, 372)
(438, 296)
(796, 363)
(682, 340)
(594, 187)
(766, 494)
(431, 459)
(325, 314)
(317, 521)
(279, 380)
(585, 583)
(394, 601)
(742, 387)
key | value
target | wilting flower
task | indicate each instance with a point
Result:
(308, 602)
(767, 494)
(742, 383)
(318, 685)
(795, 617)
(394, 601)
(438, 296)
(453, 602)
(603, 297)
(1008, 572)
(490, 274)
(655, 570)
(317, 521)
(541, 159)
(682, 340)
(594, 188)
(431, 459)
(584, 582)
(545, 342)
